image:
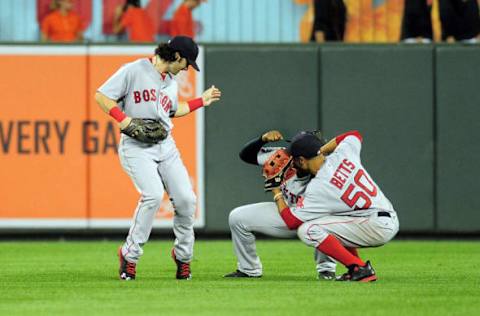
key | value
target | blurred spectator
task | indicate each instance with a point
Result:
(417, 21)
(182, 22)
(460, 20)
(61, 25)
(330, 17)
(135, 20)
(306, 22)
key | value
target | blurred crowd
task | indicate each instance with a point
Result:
(458, 19)
(63, 24)
(453, 20)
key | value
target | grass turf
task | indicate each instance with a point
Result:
(80, 278)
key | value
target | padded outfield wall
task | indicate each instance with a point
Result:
(415, 105)
(58, 154)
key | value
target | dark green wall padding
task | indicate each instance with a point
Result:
(263, 88)
(386, 93)
(458, 139)
(415, 105)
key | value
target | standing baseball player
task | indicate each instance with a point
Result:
(343, 208)
(142, 97)
(263, 217)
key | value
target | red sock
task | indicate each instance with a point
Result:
(333, 248)
(353, 251)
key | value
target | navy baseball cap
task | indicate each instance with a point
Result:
(305, 144)
(187, 48)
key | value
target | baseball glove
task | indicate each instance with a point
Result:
(146, 131)
(275, 168)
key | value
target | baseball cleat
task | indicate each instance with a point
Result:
(359, 274)
(127, 269)
(343, 277)
(326, 275)
(183, 268)
(240, 274)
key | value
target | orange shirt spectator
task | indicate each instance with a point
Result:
(182, 22)
(62, 25)
(138, 25)
(135, 21)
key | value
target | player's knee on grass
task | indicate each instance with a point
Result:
(311, 234)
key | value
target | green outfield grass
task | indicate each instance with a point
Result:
(80, 278)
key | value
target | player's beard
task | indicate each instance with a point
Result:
(301, 173)
(175, 71)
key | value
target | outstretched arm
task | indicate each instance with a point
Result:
(208, 97)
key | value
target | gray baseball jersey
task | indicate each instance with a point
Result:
(342, 186)
(343, 200)
(142, 92)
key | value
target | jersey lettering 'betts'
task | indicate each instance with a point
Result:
(342, 186)
(142, 92)
(343, 172)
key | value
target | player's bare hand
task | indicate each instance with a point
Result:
(211, 95)
(272, 136)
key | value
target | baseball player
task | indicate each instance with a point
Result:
(263, 217)
(142, 97)
(342, 208)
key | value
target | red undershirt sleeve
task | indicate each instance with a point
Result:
(341, 137)
(291, 220)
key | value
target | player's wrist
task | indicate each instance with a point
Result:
(277, 196)
(275, 191)
(195, 104)
(117, 114)
(123, 124)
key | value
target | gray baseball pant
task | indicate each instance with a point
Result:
(351, 231)
(154, 170)
(262, 218)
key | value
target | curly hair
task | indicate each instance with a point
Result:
(165, 52)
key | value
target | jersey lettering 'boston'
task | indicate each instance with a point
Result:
(150, 95)
(291, 197)
(145, 95)
(166, 102)
(343, 172)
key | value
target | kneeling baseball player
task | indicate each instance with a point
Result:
(342, 208)
(263, 217)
